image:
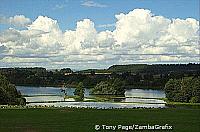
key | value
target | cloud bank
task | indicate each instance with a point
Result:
(18, 20)
(139, 37)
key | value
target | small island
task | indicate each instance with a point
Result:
(109, 87)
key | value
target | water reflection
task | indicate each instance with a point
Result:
(143, 100)
(47, 98)
(102, 105)
(26, 90)
(48, 94)
(138, 100)
(31, 91)
(145, 93)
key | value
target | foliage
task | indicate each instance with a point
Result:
(78, 98)
(193, 100)
(110, 87)
(154, 69)
(66, 70)
(79, 92)
(183, 90)
(128, 68)
(133, 75)
(9, 94)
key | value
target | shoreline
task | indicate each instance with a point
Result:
(89, 87)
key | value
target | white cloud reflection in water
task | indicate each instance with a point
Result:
(45, 94)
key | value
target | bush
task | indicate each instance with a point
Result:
(194, 100)
(78, 98)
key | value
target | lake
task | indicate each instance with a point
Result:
(133, 98)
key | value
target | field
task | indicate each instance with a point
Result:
(79, 120)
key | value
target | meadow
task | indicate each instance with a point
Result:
(76, 119)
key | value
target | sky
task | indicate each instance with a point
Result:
(83, 34)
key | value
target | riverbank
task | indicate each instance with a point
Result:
(181, 104)
(73, 119)
(145, 87)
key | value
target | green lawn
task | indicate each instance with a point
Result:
(79, 120)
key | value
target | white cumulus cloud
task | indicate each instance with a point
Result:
(139, 37)
(18, 20)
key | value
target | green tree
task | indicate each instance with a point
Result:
(171, 89)
(186, 89)
(79, 92)
(9, 94)
(109, 87)
(195, 90)
(183, 90)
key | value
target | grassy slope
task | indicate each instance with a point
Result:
(84, 120)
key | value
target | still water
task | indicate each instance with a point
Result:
(102, 105)
(132, 98)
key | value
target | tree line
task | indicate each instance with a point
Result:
(183, 90)
(133, 76)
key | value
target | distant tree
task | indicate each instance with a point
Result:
(102, 88)
(118, 85)
(66, 70)
(109, 87)
(183, 90)
(79, 92)
(92, 73)
(186, 89)
(195, 90)
(169, 89)
(134, 75)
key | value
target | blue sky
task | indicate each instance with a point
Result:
(68, 12)
(83, 34)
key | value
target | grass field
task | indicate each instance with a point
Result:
(80, 120)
